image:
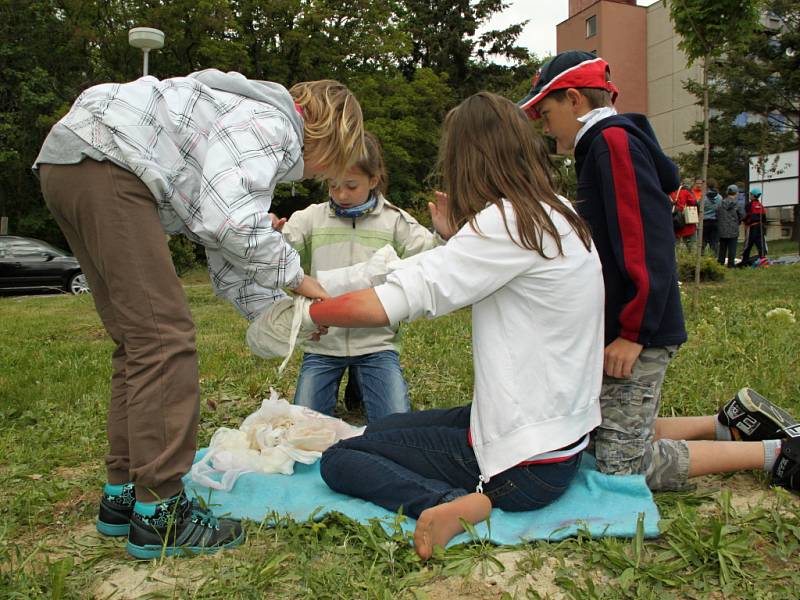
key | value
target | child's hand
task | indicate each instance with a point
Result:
(439, 212)
(322, 330)
(619, 358)
(277, 224)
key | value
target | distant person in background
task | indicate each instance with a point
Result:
(697, 190)
(755, 221)
(741, 197)
(683, 197)
(729, 216)
(710, 229)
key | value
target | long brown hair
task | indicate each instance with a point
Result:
(488, 153)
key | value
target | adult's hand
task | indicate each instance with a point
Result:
(277, 224)
(439, 212)
(311, 288)
(620, 356)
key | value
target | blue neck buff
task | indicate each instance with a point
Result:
(355, 211)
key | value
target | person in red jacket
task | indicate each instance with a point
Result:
(755, 221)
(682, 198)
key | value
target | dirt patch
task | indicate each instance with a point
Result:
(137, 580)
(75, 472)
(461, 587)
(748, 490)
(516, 578)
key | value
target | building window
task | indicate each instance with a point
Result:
(591, 26)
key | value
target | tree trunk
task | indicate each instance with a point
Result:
(796, 220)
(706, 149)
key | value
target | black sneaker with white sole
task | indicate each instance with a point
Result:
(751, 418)
(179, 526)
(786, 472)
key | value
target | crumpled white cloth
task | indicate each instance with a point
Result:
(274, 333)
(270, 440)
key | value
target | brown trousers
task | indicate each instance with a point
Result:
(110, 220)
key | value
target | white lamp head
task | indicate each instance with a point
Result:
(146, 38)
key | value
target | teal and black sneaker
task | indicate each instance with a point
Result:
(116, 507)
(179, 526)
(751, 418)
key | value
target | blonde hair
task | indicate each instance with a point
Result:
(333, 125)
(372, 163)
(488, 153)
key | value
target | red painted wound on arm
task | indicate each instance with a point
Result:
(355, 309)
(337, 311)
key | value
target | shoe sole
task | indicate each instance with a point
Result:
(150, 551)
(755, 403)
(112, 530)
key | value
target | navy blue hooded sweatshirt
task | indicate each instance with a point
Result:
(624, 179)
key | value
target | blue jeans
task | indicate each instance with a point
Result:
(711, 235)
(377, 376)
(422, 459)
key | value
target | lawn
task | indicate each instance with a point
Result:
(733, 537)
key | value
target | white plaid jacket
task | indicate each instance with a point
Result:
(211, 159)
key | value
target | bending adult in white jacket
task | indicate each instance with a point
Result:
(523, 260)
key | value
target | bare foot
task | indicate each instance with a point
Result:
(439, 524)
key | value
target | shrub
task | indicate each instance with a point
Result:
(710, 269)
(183, 253)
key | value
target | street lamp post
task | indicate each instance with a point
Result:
(147, 39)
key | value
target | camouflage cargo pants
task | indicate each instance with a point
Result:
(624, 442)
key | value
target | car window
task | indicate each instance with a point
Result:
(25, 249)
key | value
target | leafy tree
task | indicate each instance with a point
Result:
(443, 39)
(731, 145)
(707, 29)
(42, 64)
(758, 76)
(760, 73)
(408, 61)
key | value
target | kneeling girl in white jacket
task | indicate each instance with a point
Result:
(523, 259)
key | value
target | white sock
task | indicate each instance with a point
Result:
(772, 450)
(723, 432)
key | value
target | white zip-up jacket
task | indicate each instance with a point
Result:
(537, 333)
(326, 241)
(211, 148)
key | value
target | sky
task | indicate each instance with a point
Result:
(539, 35)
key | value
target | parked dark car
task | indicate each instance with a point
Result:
(28, 264)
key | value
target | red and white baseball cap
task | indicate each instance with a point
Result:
(570, 69)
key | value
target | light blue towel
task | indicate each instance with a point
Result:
(603, 505)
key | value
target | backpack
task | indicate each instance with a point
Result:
(678, 218)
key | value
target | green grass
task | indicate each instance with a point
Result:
(780, 248)
(54, 370)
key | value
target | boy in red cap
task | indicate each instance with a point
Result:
(624, 179)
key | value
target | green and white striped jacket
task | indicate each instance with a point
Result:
(326, 242)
